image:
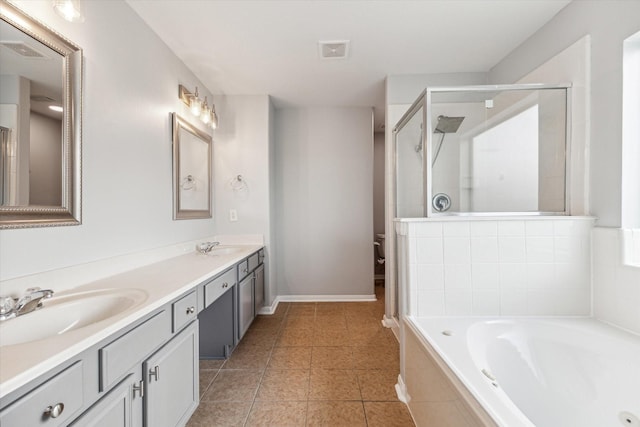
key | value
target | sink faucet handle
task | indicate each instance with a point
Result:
(32, 290)
(7, 304)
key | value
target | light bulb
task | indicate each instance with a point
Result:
(196, 104)
(70, 10)
(205, 116)
(214, 118)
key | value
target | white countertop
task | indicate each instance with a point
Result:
(162, 281)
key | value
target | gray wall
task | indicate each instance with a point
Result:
(378, 183)
(608, 23)
(324, 199)
(130, 86)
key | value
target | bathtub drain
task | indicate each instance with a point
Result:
(628, 419)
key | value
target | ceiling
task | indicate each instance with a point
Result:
(271, 46)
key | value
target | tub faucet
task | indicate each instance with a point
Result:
(32, 300)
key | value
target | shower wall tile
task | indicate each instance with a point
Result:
(457, 250)
(512, 249)
(456, 229)
(484, 249)
(511, 228)
(483, 228)
(538, 266)
(539, 228)
(429, 229)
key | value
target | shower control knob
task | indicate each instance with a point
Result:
(441, 202)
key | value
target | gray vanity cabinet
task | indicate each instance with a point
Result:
(171, 378)
(218, 320)
(259, 288)
(121, 407)
(250, 290)
(246, 305)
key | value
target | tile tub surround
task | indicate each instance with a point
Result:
(162, 282)
(307, 364)
(497, 265)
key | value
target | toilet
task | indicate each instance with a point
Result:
(379, 244)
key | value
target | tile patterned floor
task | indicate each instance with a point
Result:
(309, 364)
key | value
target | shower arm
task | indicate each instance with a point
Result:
(438, 150)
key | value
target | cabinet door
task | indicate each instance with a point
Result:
(171, 378)
(121, 407)
(245, 296)
(259, 289)
(218, 327)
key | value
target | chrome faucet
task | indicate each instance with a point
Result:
(32, 300)
(206, 247)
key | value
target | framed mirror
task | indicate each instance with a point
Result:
(191, 171)
(40, 124)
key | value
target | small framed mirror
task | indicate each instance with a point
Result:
(191, 171)
(40, 124)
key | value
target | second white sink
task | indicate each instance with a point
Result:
(224, 250)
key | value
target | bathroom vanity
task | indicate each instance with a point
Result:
(140, 366)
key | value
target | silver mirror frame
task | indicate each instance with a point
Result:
(179, 124)
(70, 212)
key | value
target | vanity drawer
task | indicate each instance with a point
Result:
(243, 269)
(261, 256)
(183, 311)
(117, 358)
(64, 392)
(254, 261)
(219, 286)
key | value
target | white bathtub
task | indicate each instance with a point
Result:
(546, 372)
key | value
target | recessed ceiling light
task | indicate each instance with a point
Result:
(57, 108)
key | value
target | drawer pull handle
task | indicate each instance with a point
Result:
(155, 372)
(54, 411)
(225, 285)
(191, 310)
(139, 388)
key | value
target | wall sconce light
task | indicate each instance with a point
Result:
(70, 10)
(198, 108)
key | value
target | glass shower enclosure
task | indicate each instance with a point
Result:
(482, 150)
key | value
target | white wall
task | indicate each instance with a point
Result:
(324, 199)
(608, 23)
(616, 287)
(242, 146)
(130, 86)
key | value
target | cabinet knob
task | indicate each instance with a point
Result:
(54, 411)
(191, 310)
(225, 285)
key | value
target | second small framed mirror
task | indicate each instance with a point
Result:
(191, 171)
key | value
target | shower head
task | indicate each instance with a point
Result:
(448, 124)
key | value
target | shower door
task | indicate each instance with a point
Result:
(410, 153)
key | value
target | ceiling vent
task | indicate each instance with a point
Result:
(22, 49)
(336, 49)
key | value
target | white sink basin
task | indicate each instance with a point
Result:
(66, 313)
(224, 250)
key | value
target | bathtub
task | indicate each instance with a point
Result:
(539, 371)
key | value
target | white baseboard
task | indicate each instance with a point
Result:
(326, 298)
(401, 391)
(267, 310)
(389, 322)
